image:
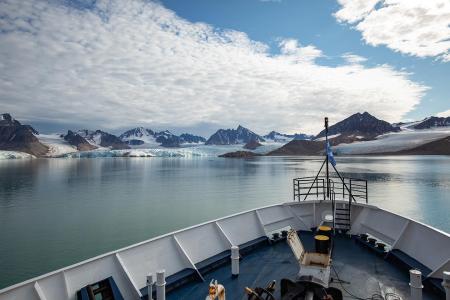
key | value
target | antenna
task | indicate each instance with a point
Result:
(326, 156)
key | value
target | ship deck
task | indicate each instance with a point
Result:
(361, 272)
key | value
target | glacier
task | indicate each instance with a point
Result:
(394, 141)
(14, 155)
(188, 152)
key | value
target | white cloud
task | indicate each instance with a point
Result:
(127, 63)
(353, 58)
(293, 51)
(444, 114)
(355, 10)
(415, 27)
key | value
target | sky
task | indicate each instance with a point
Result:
(200, 65)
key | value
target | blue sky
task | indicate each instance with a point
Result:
(202, 65)
(312, 22)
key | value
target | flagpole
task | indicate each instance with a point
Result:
(326, 155)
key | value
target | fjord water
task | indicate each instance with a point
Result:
(55, 212)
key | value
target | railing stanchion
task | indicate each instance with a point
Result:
(367, 197)
(293, 187)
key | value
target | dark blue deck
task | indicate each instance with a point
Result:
(365, 272)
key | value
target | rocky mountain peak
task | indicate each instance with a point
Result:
(17, 137)
(240, 135)
(360, 126)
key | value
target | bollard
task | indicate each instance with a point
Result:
(415, 282)
(446, 284)
(160, 285)
(149, 286)
(234, 261)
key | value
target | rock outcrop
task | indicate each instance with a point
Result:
(17, 137)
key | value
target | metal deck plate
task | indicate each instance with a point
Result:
(365, 272)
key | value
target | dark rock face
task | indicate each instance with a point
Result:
(240, 135)
(103, 139)
(167, 139)
(358, 127)
(17, 137)
(240, 154)
(78, 141)
(252, 145)
(164, 138)
(281, 137)
(297, 147)
(110, 140)
(136, 133)
(190, 138)
(433, 122)
(135, 142)
(303, 137)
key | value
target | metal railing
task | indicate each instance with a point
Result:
(315, 188)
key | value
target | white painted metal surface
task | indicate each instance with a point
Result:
(184, 248)
(235, 260)
(161, 285)
(415, 282)
(446, 284)
(150, 286)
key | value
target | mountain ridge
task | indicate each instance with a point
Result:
(17, 137)
(240, 135)
(357, 127)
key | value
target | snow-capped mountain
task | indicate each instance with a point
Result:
(192, 139)
(240, 135)
(78, 141)
(357, 127)
(138, 136)
(100, 138)
(167, 139)
(284, 138)
(143, 137)
(432, 122)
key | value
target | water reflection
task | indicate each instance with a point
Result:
(59, 211)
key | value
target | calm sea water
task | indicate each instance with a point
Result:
(55, 212)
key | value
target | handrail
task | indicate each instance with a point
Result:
(353, 188)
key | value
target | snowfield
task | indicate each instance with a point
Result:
(329, 137)
(58, 146)
(396, 141)
(14, 155)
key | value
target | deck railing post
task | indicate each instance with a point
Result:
(234, 261)
(161, 285)
(293, 186)
(150, 286)
(317, 188)
(367, 197)
(415, 283)
(446, 284)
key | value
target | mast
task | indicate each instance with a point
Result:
(326, 155)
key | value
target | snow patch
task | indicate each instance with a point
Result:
(57, 145)
(329, 137)
(394, 141)
(14, 155)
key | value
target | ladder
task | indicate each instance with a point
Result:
(341, 211)
(342, 217)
